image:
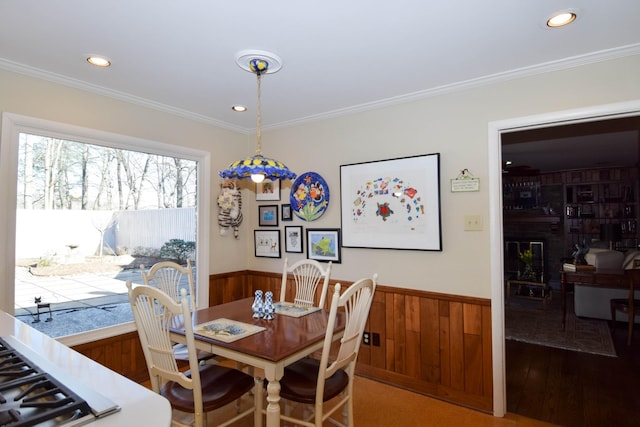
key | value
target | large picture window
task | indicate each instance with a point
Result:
(88, 213)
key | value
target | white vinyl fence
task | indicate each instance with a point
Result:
(60, 233)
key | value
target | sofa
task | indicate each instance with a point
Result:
(590, 301)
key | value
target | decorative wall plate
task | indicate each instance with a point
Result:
(309, 196)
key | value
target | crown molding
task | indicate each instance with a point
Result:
(571, 62)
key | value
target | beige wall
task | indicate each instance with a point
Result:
(453, 124)
(456, 126)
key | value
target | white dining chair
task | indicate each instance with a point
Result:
(316, 382)
(201, 389)
(307, 275)
(168, 276)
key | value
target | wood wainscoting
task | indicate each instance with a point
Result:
(431, 343)
(122, 354)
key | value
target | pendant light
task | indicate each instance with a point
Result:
(258, 167)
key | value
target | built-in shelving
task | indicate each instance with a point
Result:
(591, 207)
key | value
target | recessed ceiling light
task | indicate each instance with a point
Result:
(239, 108)
(561, 19)
(98, 61)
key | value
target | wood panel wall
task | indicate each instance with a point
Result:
(435, 344)
(122, 354)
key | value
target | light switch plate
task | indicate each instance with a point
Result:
(472, 222)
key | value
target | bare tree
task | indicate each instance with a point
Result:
(179, 183)
(85, 177)
(56, 174)
(27, 184)
(52, 153)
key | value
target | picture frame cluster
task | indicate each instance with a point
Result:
(320, 244)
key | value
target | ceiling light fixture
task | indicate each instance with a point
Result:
(561, 19)
(258, 167)
(98, 61)
(239, 108)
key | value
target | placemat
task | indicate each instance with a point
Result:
(293, 310)
(227, 330)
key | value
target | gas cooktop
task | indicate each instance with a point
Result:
(33, 391)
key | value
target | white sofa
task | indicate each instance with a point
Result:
(591, 301)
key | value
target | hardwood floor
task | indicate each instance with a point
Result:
(575, 389)
(380, 405)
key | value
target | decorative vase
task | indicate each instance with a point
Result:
(528, 272)
(258, 306)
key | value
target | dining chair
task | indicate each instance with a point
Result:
(315, 382)
(307, 275)
(201, 389)
(630, 306)
(168, 276)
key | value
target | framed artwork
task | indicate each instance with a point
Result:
(267, 243)
(392, 204)
(323, 244)
(285, 213)
(268, 190)
(293, 240)
(268, 215)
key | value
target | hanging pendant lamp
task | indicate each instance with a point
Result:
(258, 167)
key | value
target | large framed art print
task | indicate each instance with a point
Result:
(392, 204)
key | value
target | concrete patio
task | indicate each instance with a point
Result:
(78, 303)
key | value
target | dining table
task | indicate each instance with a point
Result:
(268, 345)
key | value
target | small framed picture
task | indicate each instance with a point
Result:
(285, 213)
(268, 215)
(293, 239)
(268, 190)
(267, 243)
(323, 244)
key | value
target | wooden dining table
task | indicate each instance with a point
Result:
(284, 340)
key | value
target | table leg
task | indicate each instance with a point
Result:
(273, 406)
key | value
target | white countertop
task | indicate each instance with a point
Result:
(140, 407)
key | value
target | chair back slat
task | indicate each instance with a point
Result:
(307, 276)
(168, 276)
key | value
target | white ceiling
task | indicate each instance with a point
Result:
(338, 56)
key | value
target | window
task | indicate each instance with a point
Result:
(90, 208)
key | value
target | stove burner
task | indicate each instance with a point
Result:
(29, 396)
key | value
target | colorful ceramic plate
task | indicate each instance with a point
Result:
(309, 196)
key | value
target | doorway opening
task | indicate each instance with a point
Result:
(496, 132)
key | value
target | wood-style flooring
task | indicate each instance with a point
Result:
(380, 405)
(545, 387)
(575, 389)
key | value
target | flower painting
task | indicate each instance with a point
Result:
(309, 196)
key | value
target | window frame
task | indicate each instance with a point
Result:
(13, 125)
